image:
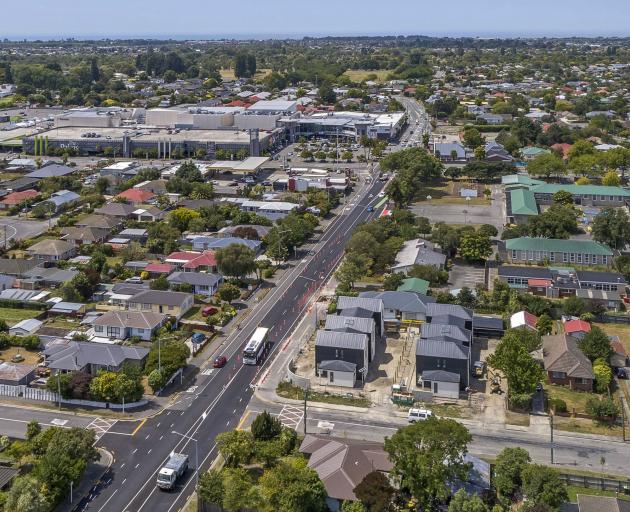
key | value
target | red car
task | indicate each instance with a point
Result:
(219, 362)
(209, 310)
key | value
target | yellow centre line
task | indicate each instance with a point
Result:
(240, 424)
(139, 427)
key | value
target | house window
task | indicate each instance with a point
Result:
(583, 381)
(146, 307)
(565, 257)
(611, 198)
(552, 256)
(558, 375)
(113, 332)
(133, 305)
(538, 255)
(524, 255)
(579, 258)
(140, 331)
(586, 258)
(572, 258)
(531, 255)
(605, 259)
(514, 254)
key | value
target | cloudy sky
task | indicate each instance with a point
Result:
(281, 18)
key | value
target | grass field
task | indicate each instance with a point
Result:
(589, 491)
(228, 74)
(13, 316)
(621, 330)
(359, 75)
(7, 101)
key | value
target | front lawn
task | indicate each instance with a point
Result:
(575, 400)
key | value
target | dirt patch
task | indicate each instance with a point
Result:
(30, 357)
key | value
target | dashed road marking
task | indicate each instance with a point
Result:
(100, 426)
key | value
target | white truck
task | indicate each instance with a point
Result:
(175, 466)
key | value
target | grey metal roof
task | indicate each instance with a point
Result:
(16, 267)
(408, 302)
(356, 312)
(528, 272)
(337, 365)
(160, 297)
(353, 323)
(600, 277)
(374, 305)
(51, 274)
(194, 278)
(50, 171)
(75, 355)
(445, 349)
(130, 319)
(436, 331)
(435, 309)
(6, 475)
(341, 340)
(440, 376)
(487, 322)
(67, 307)
(449, 320)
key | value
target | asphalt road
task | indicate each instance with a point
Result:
(20, 229)
(218, 398)
(13, 420)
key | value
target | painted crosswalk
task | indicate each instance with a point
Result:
(101, 426)
(291, 416)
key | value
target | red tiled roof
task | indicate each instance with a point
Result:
(183, 255)
(577, 326)
(18, 197)
(617, 347)
(206, 259)
(538, 282)
(161, 268)
(136, 195)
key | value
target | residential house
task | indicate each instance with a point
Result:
(134, 234)
(77, 356)
(418, 252)
(605, 281)
(555, 251)
(495, 152)
(523, 319)
(174, 304)
(26, 327)
(591, 503)
(401, 308)
(16, 374)
(50, 171)
(6, 282)
(17, 198)
(159, 269)
(45, 277)
(442, 367)
(117, 210)
(84, 236)
(619, 357)
(99, 221)
(121, 325)
(202, 243)
(494, 119)
(60, 200)
(414, 284)
(148, 214)
(450, 151)
(341, 358)
(136, 196)
(342, 464)
(449, 314)
(189, 261)
(156, 187)
(17, 267)
(565, 363)
(600, 299)
(52, 250)
(20, 184)
(577, 328)
(363, 307)
(353, 324)
(201, 283)
(530, 153)
(488, 327)
(240, 229)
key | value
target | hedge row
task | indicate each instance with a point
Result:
(18, 304)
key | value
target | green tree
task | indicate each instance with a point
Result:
(326, 93)
(173, 355)
(611, 179)
(25, 495)
(32, 429)
(544, 324)
(508, 472)
(574, 306)
(563, 197)
(228, 292)
(612, 227)
(488, 230)
(603, 375)
(236, 447)
(354, 267)
(291, 486)
(347, 156)
(595, 344)
(475, 246)
(393, 281)
(557, 221)
(514, 360)
(584, 165)
(352, 506)
(547, 164)
(542, 486)
(426, 456)
(375, 492)
(473, 138)
(189, 172)
(211, 488)
(602, 409)
(236, 260)
(160, 283)
(462, 502)
(266, 427)
(182, 217)
(239, 491)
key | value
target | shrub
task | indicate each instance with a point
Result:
(268, 272)
(601, 410)
(558, 405)
(520, 401)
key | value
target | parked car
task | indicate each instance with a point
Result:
(219, 362)
(39, 383)
(479, 369)
(208, 310)
(370, 208)
(134, 280)
(418, 415)
(622, 373)
(17, 358)
(198, 337)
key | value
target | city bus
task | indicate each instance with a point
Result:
(256, 346)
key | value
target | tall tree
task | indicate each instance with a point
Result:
(211, 488)
(462, 502)
(612, 227)
(547, 164)
(508, 472)
(542, 486)
(25, 495)
(236, 260)
(595, 344)
(427, 456)
(375, 492)
(475, 246)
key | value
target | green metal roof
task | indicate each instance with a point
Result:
(523, 202)
(414, 284)
(519, 179)
(600, 190)
(556, 245)
(534, 151)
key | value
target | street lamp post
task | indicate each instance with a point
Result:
(196, 453)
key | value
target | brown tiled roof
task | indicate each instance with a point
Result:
(587, 503)
(562, 354)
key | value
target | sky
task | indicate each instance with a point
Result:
(201, 19)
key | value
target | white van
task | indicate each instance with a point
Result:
(418, 415)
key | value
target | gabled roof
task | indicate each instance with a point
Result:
(345, 340)
(523, 202)
(528, 272)
(444, 331)
(414, 284)
(50, 171)
(87, 234)
(576, 326)
(441, 376)
(600, 277)
(374, 305)
(407, 302)
(444, 349)
(194, 278)
(116, 209)
(75, 355)
(435, 309)
(562, 354)
(131, 319)
(588, 503)
(16, 267)
(349, 324)
(600, 190)
(51, 247)
(161, 297)
(523, 319)
(160, 268)
(557, 245)
(136, 195)
(18, 197)
(337, 365)
(98, 221)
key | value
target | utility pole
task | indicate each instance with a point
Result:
(551, 445)
(305, 399)
(623, 419)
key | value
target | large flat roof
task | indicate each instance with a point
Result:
(151, 134)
